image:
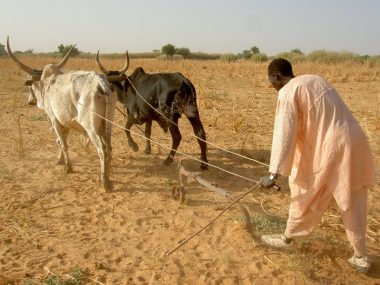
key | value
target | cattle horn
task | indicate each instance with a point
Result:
(24, 67)
(102, 69)
(126, 65)
(64, 60)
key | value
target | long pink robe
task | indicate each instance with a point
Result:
(318, 143)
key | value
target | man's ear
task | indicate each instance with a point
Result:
(276, 76)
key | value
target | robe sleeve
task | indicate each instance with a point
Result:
(284, 134)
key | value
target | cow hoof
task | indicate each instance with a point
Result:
(135, 147)
(204, 166)
(179, 194)
(60, 162)
(68, 169)
(108, 186)
(148, 151)
(168, 161)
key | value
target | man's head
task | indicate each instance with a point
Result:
(280, 72)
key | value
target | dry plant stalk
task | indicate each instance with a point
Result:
(20, 140)
(243, 144)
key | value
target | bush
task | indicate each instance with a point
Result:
(228, 57)
(162, 57)
(2, 50)
(174, 57)
(374, 61)
(246, 54)
(259, 57)
(332, 56)
(204, 56)
(296, 50)
(185, 52)
(178, 57)
(291, 56)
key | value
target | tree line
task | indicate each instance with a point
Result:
(254, 54)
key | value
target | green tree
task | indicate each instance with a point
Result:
(246, 54)
(185, 52)
(64, 49)
(168, 49)
(255, 50)
(2, 50)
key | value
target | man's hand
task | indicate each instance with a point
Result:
(268, 181)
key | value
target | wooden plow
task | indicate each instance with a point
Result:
(179, 192)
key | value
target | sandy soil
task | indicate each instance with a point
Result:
(57, 225)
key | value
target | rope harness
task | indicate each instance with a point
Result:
(233, 202)
(167, 147)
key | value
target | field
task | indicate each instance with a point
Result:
(65, 229)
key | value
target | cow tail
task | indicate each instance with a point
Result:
(189, 100)
(193, 92)
(110, 110)
(110, 101)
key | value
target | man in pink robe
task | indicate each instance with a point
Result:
(321, 147)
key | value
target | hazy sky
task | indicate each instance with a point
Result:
(209, 26)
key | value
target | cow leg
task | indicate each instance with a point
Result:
(60, 159)
(200, 133)
(62, 134)
(148, 133)
(100, 145)
(176, 139)
(107, 158)
(131, 142)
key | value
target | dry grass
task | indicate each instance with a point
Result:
(237, 107)
(19, 144)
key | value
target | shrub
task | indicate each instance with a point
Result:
(185, 52)
(2, 50)
(291, 56)
(174, 57)
(178, 57)
(332, 56)
(228, 57)
(259, 57)
(374, 61)
(296, 50)
(204, 56)
(246, 54)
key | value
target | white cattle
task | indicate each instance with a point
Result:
(82, 101)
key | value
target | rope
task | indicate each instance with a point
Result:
(208, 142)
(169, 148)
(245, 193)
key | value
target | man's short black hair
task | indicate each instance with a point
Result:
(282, 66)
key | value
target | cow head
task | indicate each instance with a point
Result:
(36, 77)
(117, 78)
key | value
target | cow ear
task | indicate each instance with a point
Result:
(28, 82)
